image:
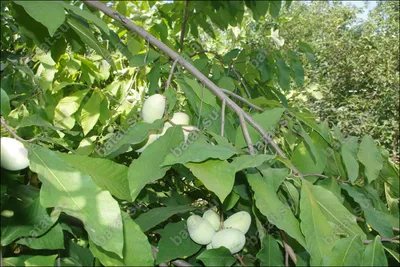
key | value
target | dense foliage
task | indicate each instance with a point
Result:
(73, 83)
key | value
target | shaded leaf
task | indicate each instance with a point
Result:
(349, 155)
(91, 112)
(346, 252)
(53, 239)
(217, 257)
(370, 157)
(374, 254)
(270, 253)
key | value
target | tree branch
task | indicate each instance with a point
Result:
(238, 97)
(185, 16)
(171, 72)
(189, 67)
(240, 80)
(8, 128)
(289, 250)
(246, 135)
(363, 220)
(223, 117)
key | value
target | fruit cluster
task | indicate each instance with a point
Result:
(153, 109)
(208, 230)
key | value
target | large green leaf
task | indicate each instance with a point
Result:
(140, 173)
(80, 255)
(269, 204)
(349, 155)
(303, 160)
(201, 93)
(107, 174)
(217, 176)
(270, 253)
(346, 252)
(374, 254)
(217, 257)
(50, 14)
(87, 16)
(283, 72)
(273, 176)
(30, 219)
(375, 218)
(87, 36)
(155, 216)
(198, 152)
(53, 239)
(267, 120)
(39, 260)
(90, 113)
(315, 226)
(334, 211)
(5, 103)
(136, 251)
(370, 157)
(248, 161)
(175, 243)
(69, 105)
(75, 193)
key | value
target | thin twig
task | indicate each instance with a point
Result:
(242, 99)
(171, 72)
(8, 128)
(240, 80)
(223, 117)
(185, 16)
(240, 260)
(391, 240)
(286, 258)
(201, 106)
(246, 135)
(289, 250)
(219, 57)
(363, 220)
(192, 69)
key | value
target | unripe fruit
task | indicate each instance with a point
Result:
(240, 220)
(110, 129)
(187, 130)
(14, 156)
(153, 108)
(200, 230)
(180, 118)
(153, 136)
(213, 218)
(232, 239)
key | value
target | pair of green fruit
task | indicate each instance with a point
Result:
(153, 109)
(207, 230)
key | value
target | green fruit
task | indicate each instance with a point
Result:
(240, 220)
(153, 108)
(187, 130)
(213, 218)
(232, 239)
(14, 156)
(110, 129)
(200, 230)
(180, 118)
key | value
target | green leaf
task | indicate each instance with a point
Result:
(332, 185)
(134, 46)
(41, 260)
(283, 72)
(135, 134)
(269, 204)
(90, 113)
(309, 144)
(53, 239)
(155, 216)
(170, 94)
(267, 120)
(87, 36)
(89, 16)
(140, 174)
(247, 161)
(217, 257)
(197, 152)
(107, 174)
(79, 254)
(375, 218)
(303, 160)
(315, 226)
(175, 243)
(309, 119)
(5, 103)
(297, 68)
(270, 253)
(50, 14)
(217, 176)
(69, 105)
(370, 157)
(274, 177)
(207, 97)
(346, 252)
(70, 191)
(227, 83)
(349, 155)
(275, 7)
(136, 251)
(374, 254)
(338, 216)
(231, 200)
(30, 219)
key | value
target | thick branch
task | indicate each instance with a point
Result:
(185, 16)
(242, 99)
(189, 67)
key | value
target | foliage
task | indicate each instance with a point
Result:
(75, 80)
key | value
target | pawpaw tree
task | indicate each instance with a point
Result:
(112, 180)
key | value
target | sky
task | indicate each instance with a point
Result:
(370, 6)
